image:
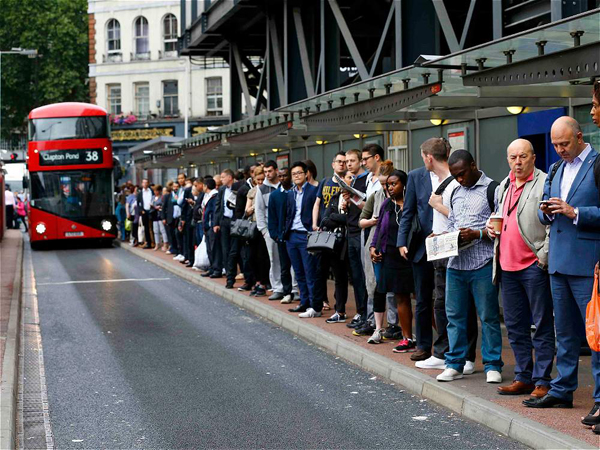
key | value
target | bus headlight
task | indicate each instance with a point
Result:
(40, 228)
(106, 225)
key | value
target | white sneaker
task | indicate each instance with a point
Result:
(287, 299)
(493, 376)
(376, 337)
(431, 363)
(309, 314)
(469, 368)
(449, 375)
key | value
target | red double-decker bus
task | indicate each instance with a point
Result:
(70, 166)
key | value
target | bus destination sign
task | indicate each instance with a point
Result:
(70, 157)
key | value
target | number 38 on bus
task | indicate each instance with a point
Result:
(70, 166)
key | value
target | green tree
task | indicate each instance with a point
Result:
(58, 29)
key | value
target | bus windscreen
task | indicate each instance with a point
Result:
(74, 193)
(65, 128)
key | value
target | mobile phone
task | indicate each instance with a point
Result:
(544, 203)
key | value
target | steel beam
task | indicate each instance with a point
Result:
(465, 31)
(564, 65)
(398, 33)
(262, 83)
(242, 78)
(428, 115)
(276, 61)
(343, 26)
(306, 69)
(382, 40)
(260, 135)
(446, 24)
(360, 127)
(552, 91)
(476, 102)
(373, 108)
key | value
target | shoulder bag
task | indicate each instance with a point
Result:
(243, 228)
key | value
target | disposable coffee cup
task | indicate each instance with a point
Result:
(496, 221)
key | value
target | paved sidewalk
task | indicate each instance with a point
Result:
(11, 256)
(560, 422)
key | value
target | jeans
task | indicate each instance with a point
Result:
(440, 345)
(526, 294)
(571, 295)
(160, 233)
(422, 275)
(459, 284)
(286, 268)
(358, 275)
(305, 267)
(120, 213)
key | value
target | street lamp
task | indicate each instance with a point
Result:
(13, 51)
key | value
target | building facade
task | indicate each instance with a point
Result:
(136, 73)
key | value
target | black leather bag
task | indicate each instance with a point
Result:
(243, 229)
(323, 241)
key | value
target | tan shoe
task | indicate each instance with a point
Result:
(540, 391)
(516, 388)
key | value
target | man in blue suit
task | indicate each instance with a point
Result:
(416, 203)
(572, 210)
(298, 220)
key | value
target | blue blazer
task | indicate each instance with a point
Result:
(416, 201)
(276, 216)
(308, 201)
(574, 249)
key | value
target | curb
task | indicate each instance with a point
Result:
(493, 416)
(9, 387)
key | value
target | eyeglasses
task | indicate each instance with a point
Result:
(338, 161)
(364, 160)
(297, 174)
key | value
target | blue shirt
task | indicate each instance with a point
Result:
(469, 208)
(297, 224)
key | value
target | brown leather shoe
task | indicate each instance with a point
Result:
(540, 391)
(420, 355)
(516, 388)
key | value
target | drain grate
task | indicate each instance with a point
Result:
(33, 418)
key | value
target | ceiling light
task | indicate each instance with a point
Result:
(515, 109)
(321, 142)
(438, 122)
(358, 135)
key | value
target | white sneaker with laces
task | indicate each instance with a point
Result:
(309, 314)
(376, 337)
(287, 299)
(449, 375)
(493, 376)
(431, 363)
(469, 368)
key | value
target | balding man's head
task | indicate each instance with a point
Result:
(567, 138)
(521, 158)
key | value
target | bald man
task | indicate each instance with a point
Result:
(572, 210)
(520, 266)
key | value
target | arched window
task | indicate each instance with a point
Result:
(113, 36)
(140, 35)
(170, 34)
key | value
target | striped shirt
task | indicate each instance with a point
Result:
(469, 208)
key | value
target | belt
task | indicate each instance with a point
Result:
(299, 232)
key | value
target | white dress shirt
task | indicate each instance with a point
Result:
(147, 198)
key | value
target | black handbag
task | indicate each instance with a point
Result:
(243, 229)
(322, 241)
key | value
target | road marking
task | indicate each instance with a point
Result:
(117, 280)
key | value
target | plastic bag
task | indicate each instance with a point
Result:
(201, 260)
(141, 233)
(592, 318)
(127, 224)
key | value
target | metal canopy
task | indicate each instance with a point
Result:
(564, 65)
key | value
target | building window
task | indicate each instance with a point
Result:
(170, 100)
(142, 99)
(214, 97)
(141, 44)
(113, 94)
(113, 36)
(170, 35)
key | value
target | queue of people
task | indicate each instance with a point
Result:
(533, 237)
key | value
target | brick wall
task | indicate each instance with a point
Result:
(92, 53)
(93, 94)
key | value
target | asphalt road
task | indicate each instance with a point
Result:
(164, 364)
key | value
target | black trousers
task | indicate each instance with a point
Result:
(259, 255)
(147, 227)
(423, 276)
(171, 227)
(10, 216)
(188, 242)
(286, 268)
(225, 241)
(238, 254)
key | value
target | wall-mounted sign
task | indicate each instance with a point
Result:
(141, 134)
(199, 130)
(458, 139)
(283, 161)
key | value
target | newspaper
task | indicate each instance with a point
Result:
(444, 246)
(355, 195)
